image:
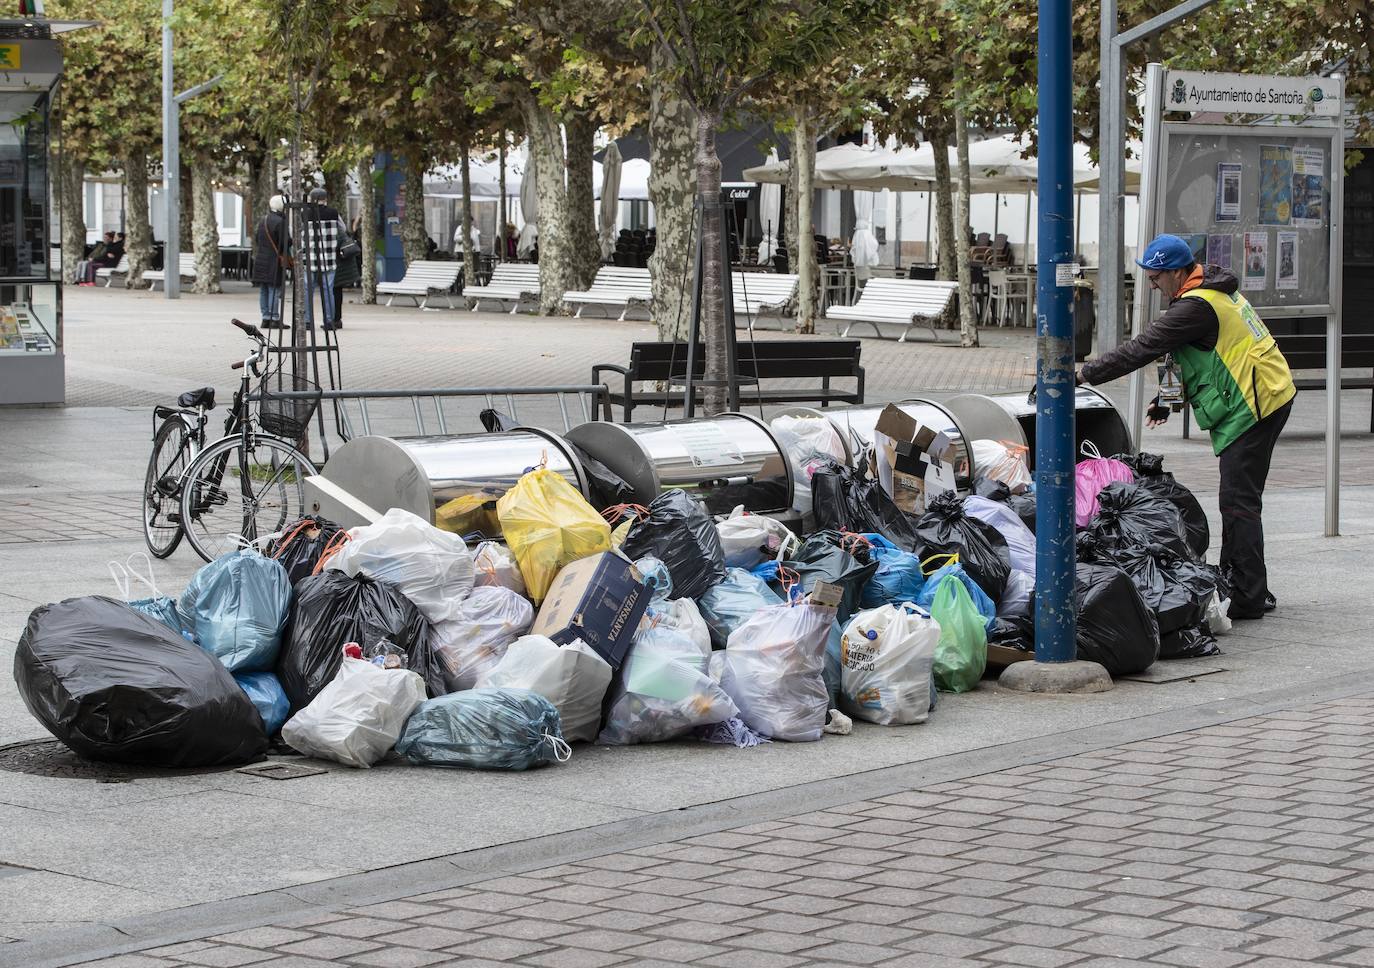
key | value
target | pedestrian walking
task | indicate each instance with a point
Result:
(271, 259)
(1240, 389)
(321, 234)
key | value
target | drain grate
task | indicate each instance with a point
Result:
(45, 757)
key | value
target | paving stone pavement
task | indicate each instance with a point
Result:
(1249, 843)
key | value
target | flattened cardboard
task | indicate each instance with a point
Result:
(599, 600)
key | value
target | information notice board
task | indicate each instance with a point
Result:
(1256, 201)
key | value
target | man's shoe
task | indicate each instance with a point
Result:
(1270, 602)
(330, 327)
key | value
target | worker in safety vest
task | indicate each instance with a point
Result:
(1240, 389)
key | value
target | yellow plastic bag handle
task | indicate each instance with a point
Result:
(952, 559)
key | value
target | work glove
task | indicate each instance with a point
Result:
(1157, 412)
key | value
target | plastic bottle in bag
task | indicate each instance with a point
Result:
(887, 655)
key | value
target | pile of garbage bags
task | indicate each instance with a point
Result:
(618, 626)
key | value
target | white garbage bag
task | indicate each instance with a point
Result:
(998, 460)
(663, 692)
(808, 442)
(432, 568)
(1016, 599)
(751, 539)
(1216, 619)
(773, 667)
(473, 642)
(496, 566)
(572, 677)
(886, 658)
(683, 616)
(358, 716)
(1020, 539)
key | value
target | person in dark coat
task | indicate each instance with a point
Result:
(348, 273)
(271, 259)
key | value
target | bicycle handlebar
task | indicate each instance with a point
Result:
(236, 365)
(248, 328)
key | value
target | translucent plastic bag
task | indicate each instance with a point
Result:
(962, 655)
(1016, 600)
(662, 692)
(237, 606)
(358, 717)
(1090, 477)
(1019, 538)
(1001, 460)
(748, 539)
(986, 606)
(547, 524)
(126, 575)
(887, 656)
(494, 565)
(433, 568)
(773, 669)
(898, 578)
(728, 605)
(471, 644)
(572, 677)
(484, 729)
(810, 443)
(268, 697)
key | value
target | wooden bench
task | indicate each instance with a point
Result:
(903, 302)
(511, 282)
(186, 269)
(763, 295)
(422, 280)
(821, 359)
(614, 286)
(109, 272)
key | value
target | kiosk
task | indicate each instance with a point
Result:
(32, 369)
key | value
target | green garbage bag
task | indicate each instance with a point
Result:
(962, 653)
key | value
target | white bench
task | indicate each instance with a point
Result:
(904, 302)
(109, 272)
(423, 279)
(186, 268)
(760, 295)
(613, 286)
(511, 282)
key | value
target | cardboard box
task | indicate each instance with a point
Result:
(915, 463)
(599, 600)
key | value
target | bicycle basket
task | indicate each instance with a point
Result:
(286, 416)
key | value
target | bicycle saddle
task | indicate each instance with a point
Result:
(204, 397)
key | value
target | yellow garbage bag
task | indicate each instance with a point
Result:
(547, 524)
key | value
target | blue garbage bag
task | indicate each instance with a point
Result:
(264, 688)
(726, 606)
(986, 607)
(236, 606)
(898, 578)
(164, 609)
(484, 729)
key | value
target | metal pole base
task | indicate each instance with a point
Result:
(1057, 677)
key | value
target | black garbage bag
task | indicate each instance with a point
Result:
(946, 530)
(114, 684)
(1013, 633)
(1175, 604)
(1143, 464)
(679, 533)
(1115, 626)
(1197, 531)
(1190, 643)
(842, 499)
(301, 544)
(496, 422)
(608, 488)
(835, 558)
(1131, 514)
(332, 609)
(990, 489)
(1024, 506)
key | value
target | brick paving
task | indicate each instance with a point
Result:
(1250, 843)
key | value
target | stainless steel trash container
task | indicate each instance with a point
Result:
(1011, 417)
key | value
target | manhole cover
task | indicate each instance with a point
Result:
(47, 757)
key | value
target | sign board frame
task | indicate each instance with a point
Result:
(1317, 119)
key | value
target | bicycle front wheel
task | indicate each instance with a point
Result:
(237, 492)
(173, 448)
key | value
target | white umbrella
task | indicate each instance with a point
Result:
(529, 206)
(447, 180)
(770, 210)
(846, 166)
(610, 198)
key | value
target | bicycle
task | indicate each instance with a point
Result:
(184, 492)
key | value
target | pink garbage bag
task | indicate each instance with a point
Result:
(1090, 477)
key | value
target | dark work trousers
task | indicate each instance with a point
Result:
(1244, 467)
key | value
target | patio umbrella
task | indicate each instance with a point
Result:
(770, 209)
(610, 198)
(529, 206)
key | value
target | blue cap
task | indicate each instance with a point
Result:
(1166, 252)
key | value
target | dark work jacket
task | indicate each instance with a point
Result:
(267, 268)
(1186, 322)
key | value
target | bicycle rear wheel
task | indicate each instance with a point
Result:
(172, 453)
(236, 493)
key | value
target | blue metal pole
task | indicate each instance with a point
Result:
(1054, 418)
